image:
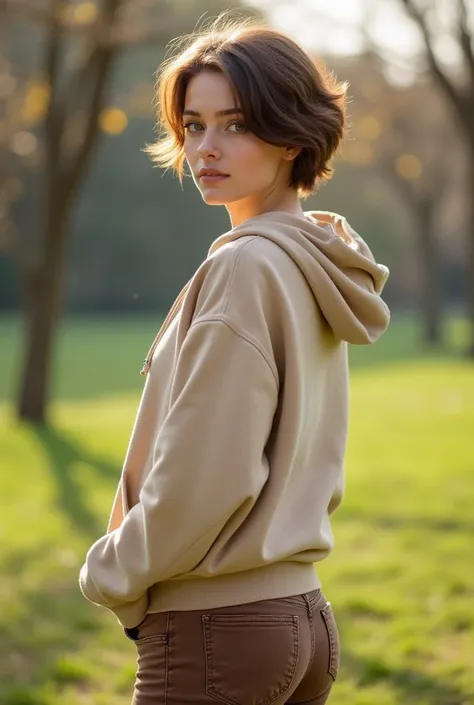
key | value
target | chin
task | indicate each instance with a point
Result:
(214, 197)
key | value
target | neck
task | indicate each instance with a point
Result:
(250, 207)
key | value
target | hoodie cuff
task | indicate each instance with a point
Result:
(129, 614)
(88, 587)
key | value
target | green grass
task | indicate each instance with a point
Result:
(96, 357)
(93, 357)
(401, 579)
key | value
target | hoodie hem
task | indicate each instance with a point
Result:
(267, 583)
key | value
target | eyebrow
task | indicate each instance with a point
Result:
(229, 111)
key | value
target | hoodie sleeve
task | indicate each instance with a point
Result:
(209, 464)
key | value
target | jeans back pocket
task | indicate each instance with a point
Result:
(250, 659)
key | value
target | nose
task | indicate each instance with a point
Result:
(208, 148)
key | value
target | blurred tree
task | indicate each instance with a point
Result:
(18, 157)
(421, 186)
(457, 86)
(81, 41)
(10, 183)
(411, 154)
(389, 140)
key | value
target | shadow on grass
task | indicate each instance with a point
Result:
(55, 624)
(65, 455)
(410, 684)
(51, 623)
(421, 523)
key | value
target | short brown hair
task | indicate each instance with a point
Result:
(286, 99)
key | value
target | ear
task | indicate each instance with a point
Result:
(292, 152)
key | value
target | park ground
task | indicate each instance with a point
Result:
(401, 579)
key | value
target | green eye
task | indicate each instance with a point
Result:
(239, 126)
(187, 126)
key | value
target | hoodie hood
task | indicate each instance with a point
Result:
(338, 265)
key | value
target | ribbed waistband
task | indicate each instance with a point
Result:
(266, 583)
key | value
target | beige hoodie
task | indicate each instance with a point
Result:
(236, 457)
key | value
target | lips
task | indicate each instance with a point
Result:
(206, 173)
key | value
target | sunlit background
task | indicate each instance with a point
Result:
(95, 244)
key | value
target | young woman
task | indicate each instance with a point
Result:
(236, 458)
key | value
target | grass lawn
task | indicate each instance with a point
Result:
(97, 357)
(401, 579)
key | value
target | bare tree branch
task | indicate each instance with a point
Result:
(387, 57)
(53, 122)
(94, 71)
(415, 13)
(80, 160)
(97, 66)
(81, 76)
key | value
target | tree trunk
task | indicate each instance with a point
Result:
(41, 308)
(43, 286)
(470, 267)
(430, 263)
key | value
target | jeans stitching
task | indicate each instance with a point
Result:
(301, 600)
(311, 631)
(252, 618)
(296, 600)
(296, 646)
(315, 597)
(167, 655)
(296, 650)
(150, 639)
(206, 619)
(310, 603)
(332, 667)
(162, 636)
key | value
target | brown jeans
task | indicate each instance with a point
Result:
(274, 651)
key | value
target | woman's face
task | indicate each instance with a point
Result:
(216, 138)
